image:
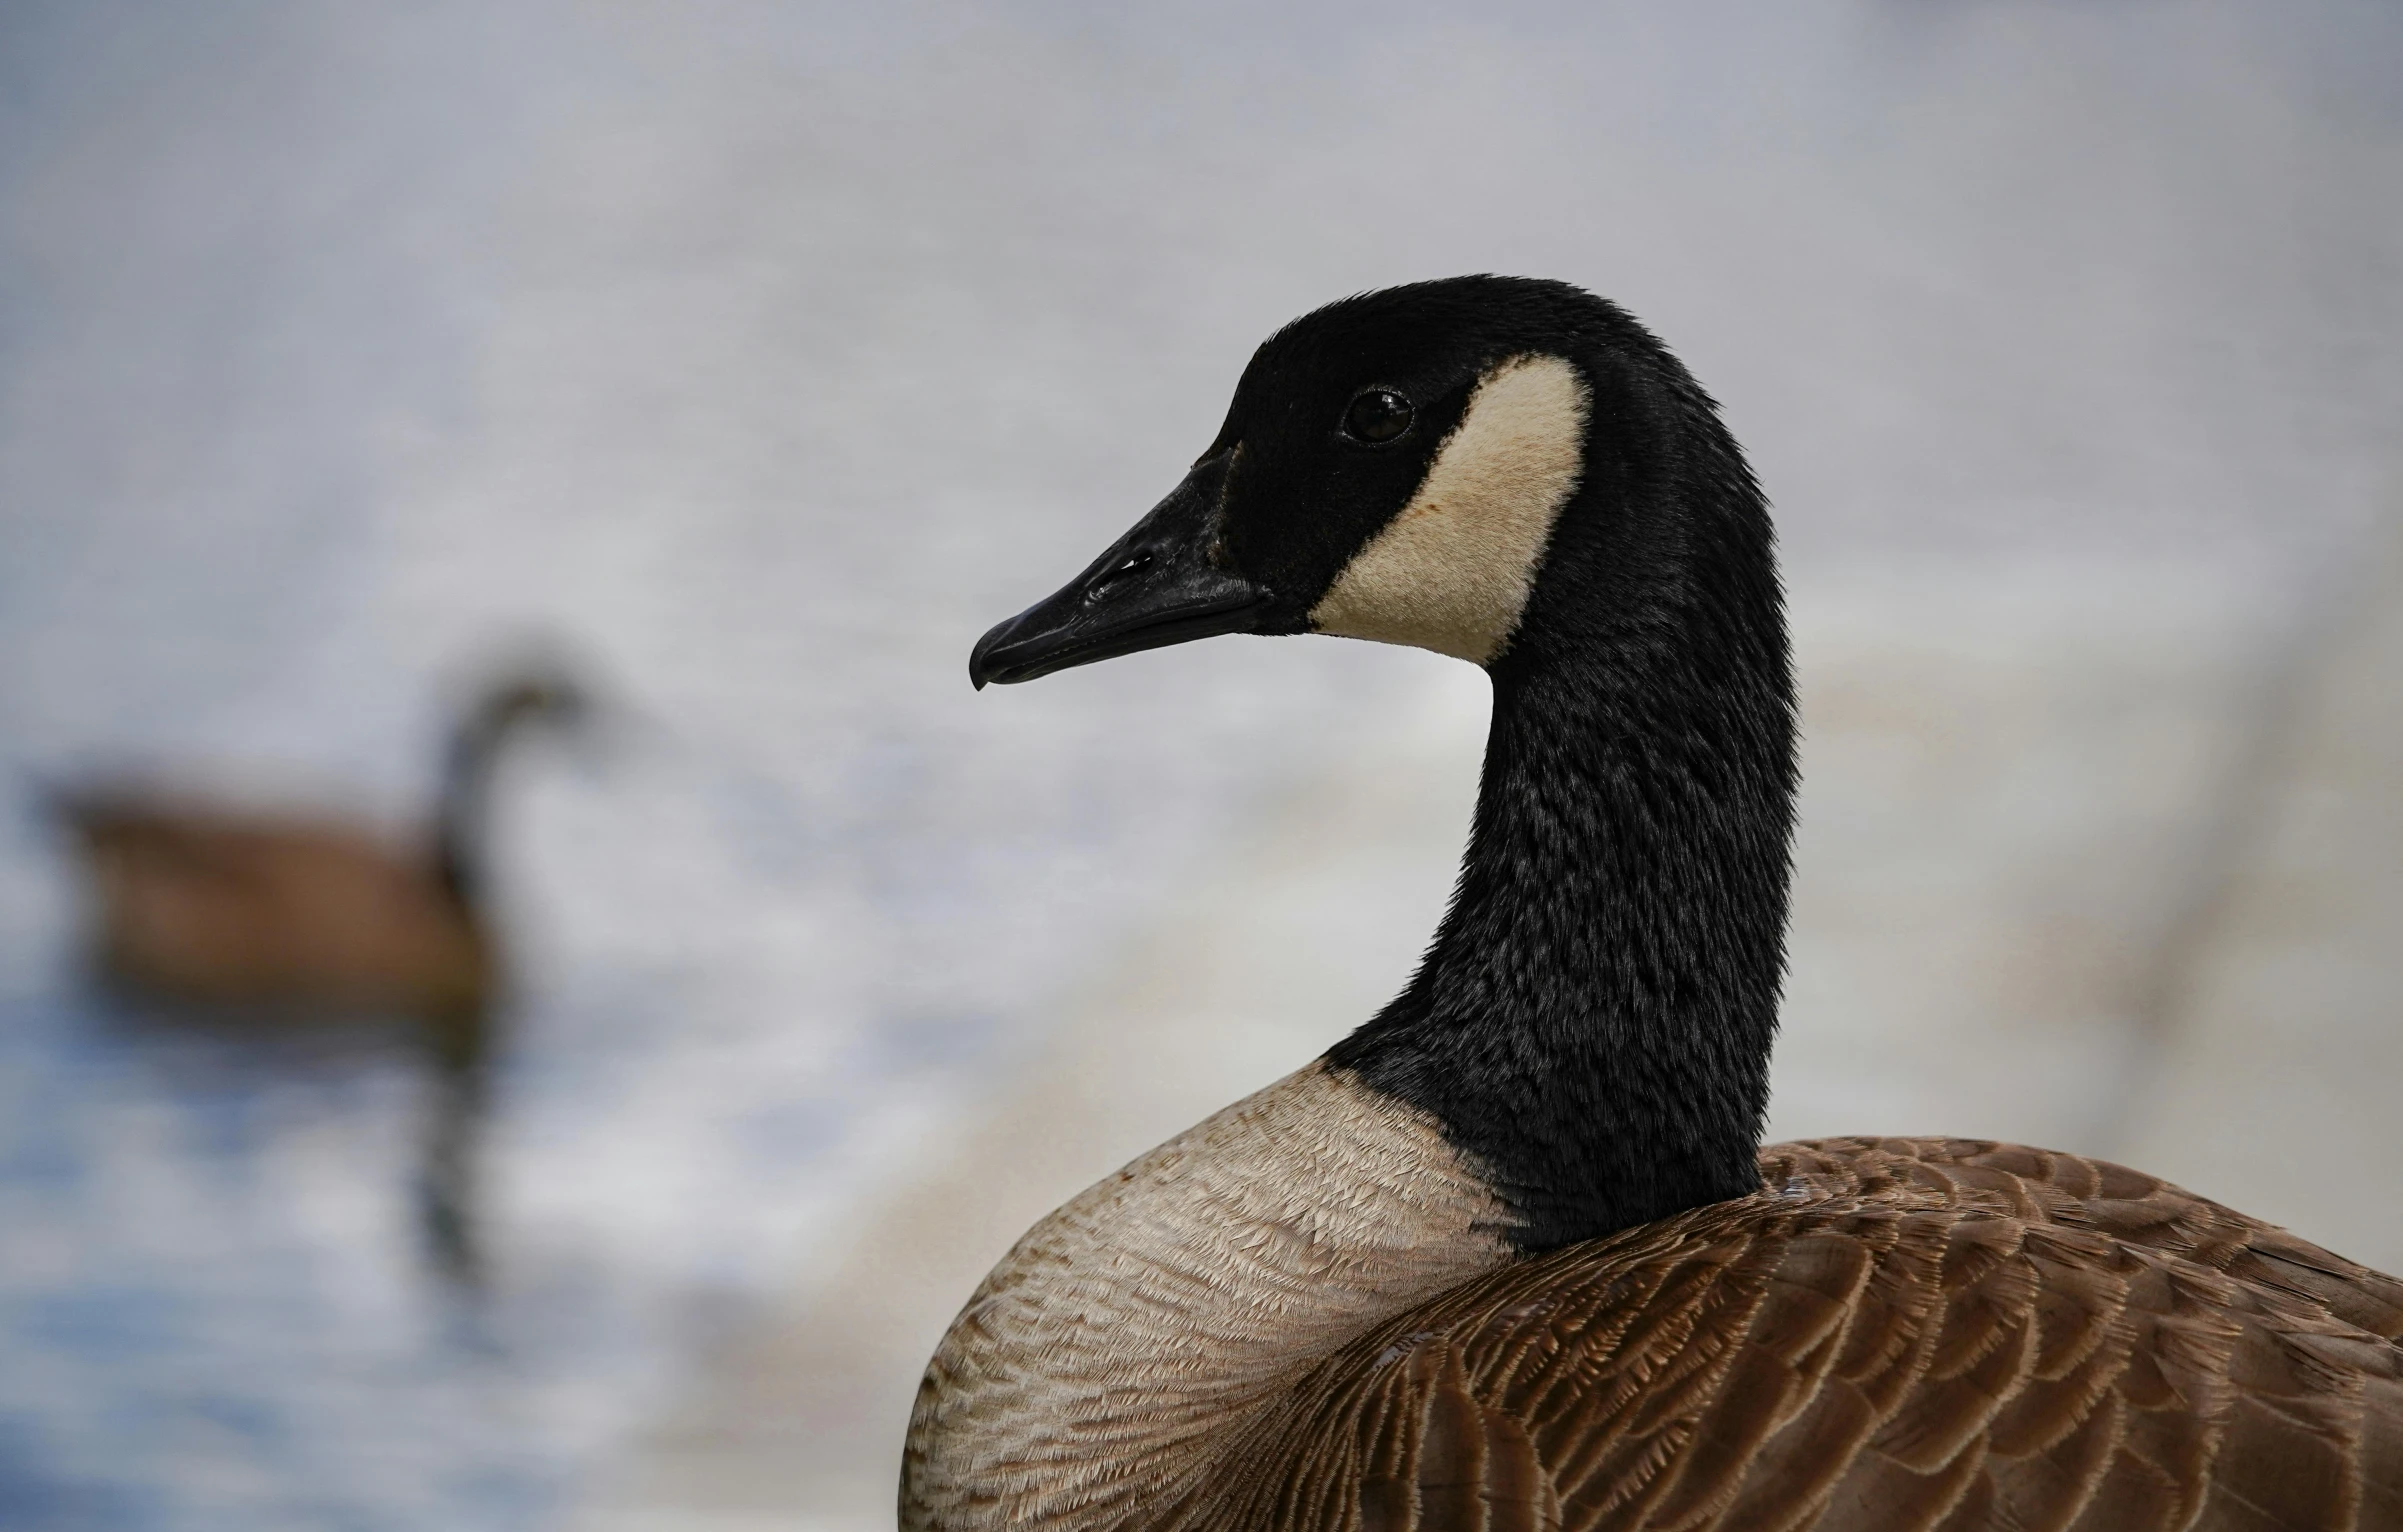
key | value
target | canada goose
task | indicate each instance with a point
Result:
(1511, 1254)
(202, 904)
(291, 920)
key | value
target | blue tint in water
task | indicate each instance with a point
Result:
(174, 1356)
(34, 1494)
(92, 1318)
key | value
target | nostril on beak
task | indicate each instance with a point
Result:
(1121, 572)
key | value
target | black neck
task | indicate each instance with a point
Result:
(1593, 1021)
(462, 809)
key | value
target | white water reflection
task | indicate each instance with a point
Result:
(767, 353)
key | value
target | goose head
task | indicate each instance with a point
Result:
(538, 696)
(1424, 465)
(1518, 474)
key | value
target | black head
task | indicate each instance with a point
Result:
(546, 697)
(1394, 466)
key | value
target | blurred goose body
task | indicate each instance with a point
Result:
(1511, 1254)
(205, 904)
(211, 905)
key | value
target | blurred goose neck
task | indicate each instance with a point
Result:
(462, 812)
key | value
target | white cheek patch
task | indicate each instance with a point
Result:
(1452, 571)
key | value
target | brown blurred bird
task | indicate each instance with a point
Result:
(205, 904)
(294, 920)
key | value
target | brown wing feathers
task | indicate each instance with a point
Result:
(1913, 1334)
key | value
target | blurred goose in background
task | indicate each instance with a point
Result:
(197, 903)
(1511, 1255)
(294, 920)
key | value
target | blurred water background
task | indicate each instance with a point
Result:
(761, 354)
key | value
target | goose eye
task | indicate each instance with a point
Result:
(1377, 415)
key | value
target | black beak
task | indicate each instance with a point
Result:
(1156, 586)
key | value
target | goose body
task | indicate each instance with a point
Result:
(212, 905)
(200, 904)
(1511, 1255)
